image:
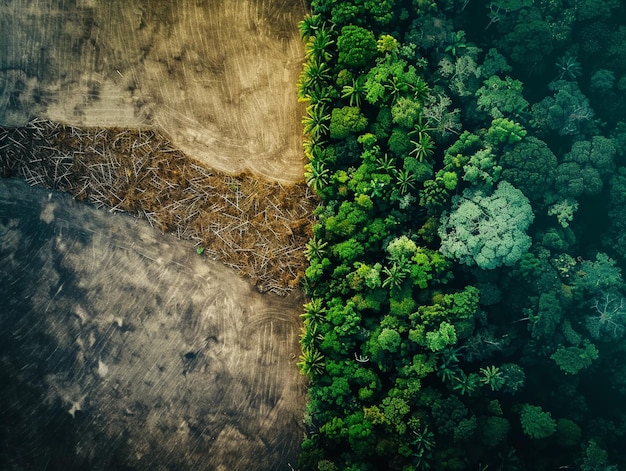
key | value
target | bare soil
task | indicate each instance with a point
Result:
(119, 344)
(217, 76)
(126, 350)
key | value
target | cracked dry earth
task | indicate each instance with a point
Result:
(120, 347)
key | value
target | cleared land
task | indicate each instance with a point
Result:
(258, 228)
(120, 348)
(217, 76)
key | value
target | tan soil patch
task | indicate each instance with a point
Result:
(218, 76)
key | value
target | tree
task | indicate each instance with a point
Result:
(616, 239)
(608, 322)
(514, 378)
(445, 336)
(564, 211)
(356, 47)
(387, 43)
(602, 81)
(482, 170)
(568, 433)
(311, 362)
(594, 160)
(536, 423)
(573, 359)
(462, 74)
(348, 251)
(598, 277)
(391, 78)
(494, 63)
(438, 116)
(494, 430)
(346, 120)
(501, 98)
(487, 230)
(543, 324)
(530, 40)
(573, 180)
(406, 111)
(504, 132)
(567, 112)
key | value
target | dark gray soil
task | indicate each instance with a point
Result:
(121, 348)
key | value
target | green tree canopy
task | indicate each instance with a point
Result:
(346, 120)
(501, 98)
(356, 46)
(536, 423)
(487, 230)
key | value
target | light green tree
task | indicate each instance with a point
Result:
(487, 230)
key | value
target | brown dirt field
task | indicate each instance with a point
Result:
(217, 76)
(256, 227)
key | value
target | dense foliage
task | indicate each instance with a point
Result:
(465, 293)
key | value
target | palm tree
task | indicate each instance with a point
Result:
(568, 67)
(406, 180)
(308, 26)
(309, 336)
(313, 315)
(395, 275)
(422, 127)
(385, 164)
(423, 442)
(354, 92)
(315, 74)
(315, 248)
(424, 147)
(314, 310)
(317, 45)
(457, 44)
(316, 175)
(492, 377)
(316, 121)
(313, 149)
(320, 94)
(466, 384)
(311, 362)
(395, 87)
(421, 90)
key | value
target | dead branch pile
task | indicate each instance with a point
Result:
(256, 227)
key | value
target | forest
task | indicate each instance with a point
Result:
(465, 297)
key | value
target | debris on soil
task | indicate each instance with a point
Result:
(258, 228)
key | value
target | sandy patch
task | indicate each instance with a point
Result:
(217, 76)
